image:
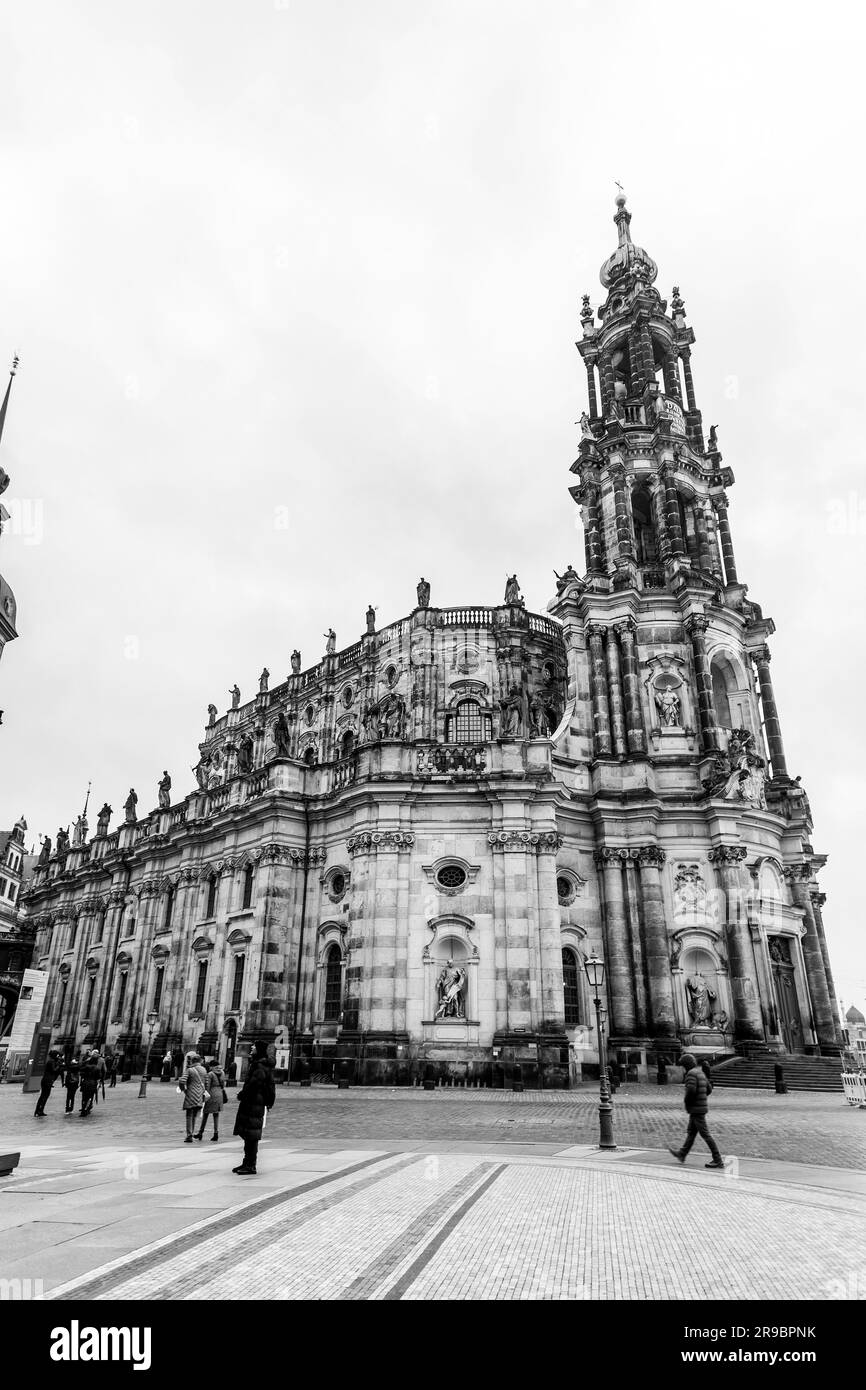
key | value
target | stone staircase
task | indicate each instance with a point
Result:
(801, 1073)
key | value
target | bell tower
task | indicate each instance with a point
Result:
(675, 739)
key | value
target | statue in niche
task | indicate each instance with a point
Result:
(215, 776)
(165, 792)
(282, 736)
(676, 952)
(44, 853)
(103, 818)
(371, 620)
(777, 953)
(263, 681)
(211, 715)
(449, 990)
(201, 773)
(245, 754)
(740, 775)
(129, 806)
(511, 716)
(540, 717)
(330, 642)
(423, 593)
(296, 662)
(512, 590)
(569, 576)
(667, 703)
(236, 696)
(700, 997)
(370, 724)
(80, 832)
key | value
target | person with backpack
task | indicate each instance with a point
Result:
(698, 1086)
(215, 1098)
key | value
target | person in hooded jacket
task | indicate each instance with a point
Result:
(257, 1095)
(696, 1100)
(213, 1103)
(89, 1082)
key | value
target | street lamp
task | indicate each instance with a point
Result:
(595, 975)
(152, 1025)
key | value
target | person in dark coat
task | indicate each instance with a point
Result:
(113, 1069)
(257, 1094)
(53, 1070)
(73, 1071)
(696, 1100)
(89, 1082)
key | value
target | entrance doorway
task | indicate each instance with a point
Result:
(787, 1004)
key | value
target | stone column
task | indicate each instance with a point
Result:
(598, 682)
(115, 906)
(620, 502)
(823, 1006)
(635, 736)
(369, 1012)
(704, 555)
(671, 377)
(673, 526)
(772, 727)
(696, 627)
(605, 372)
(617, 954)
(685, 354)
(651, 858)
(657, 492)
(614, 685)
(713, 542)
(636, 945)
(818, 900)
(593, 539)
(590, 386)
(277, 920)
(748, 1020)
(720, 503)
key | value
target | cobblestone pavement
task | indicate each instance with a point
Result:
(371, 1195)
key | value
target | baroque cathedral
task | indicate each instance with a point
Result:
(401, 857)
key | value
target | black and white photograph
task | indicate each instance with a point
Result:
(432, 530)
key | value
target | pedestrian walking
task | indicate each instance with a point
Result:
(89, 1082)
(103, 1069)
(53, 1070)
(113, 1069)
(192, 1083)
(256, 1096)
(73, 1074)
(215, 1098)
(166, 1066)
(696, 1100)
(177, 1063)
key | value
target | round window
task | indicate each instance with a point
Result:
(565, 889)
(391, 675)
(338, 885)
(348, 696)
(309, 714)
(451, 876)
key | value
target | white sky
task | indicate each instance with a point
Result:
(328, 257)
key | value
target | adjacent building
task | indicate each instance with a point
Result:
(404, 854)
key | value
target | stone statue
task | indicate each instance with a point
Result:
(282, 736)
(211, 715)
(200, 771)
(263, 681)
(449, 990)
(236, 696)
(214, 776)
(570, 576)
(667, 703)
(676, 951)
(296, 662)
(103, 818)
(585, 427)
(330, 642)
(245, 754)
(714, 443)
(539, 717)
(165, 792)
(44, 853)
(129, 806)
(776, 952)
(79, 834)
(423, 593)
(371, 620)
(370, 724)
(512, 590)
(699, 997)
(62, 841)
(395, 717)
(511, 717)
(739, 776)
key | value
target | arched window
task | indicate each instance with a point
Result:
(247, 899)
(210, 906)
(644, 527)
(333, 984)
(91, 989)
(157, 988)
(310, 756)
(347, 744)
(169, 909)
(466, 723)
(570, 987)
(200, 984)
(61, 1003)
(121, 995)
(237, 983)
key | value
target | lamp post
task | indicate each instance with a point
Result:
(595, 975)
(152, 1025)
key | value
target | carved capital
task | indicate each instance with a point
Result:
(610, 857)
(227, 865)
(696, 625)
(798, 873)
(818, 898)
(760, 655)
(525, 841)
(186, 876)
(373, 841)
(653, 856)
(148, 889)
(117, 897)
(595, 632)
(725, 855)
(625, 629)
(720, 501)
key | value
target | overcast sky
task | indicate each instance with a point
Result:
(295, 287)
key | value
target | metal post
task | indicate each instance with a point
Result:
(142, 1090)
(605, 1109)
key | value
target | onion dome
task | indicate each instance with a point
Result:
(627, 259)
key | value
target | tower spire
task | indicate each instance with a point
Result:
(3, 407)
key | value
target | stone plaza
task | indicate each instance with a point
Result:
(401, 1194)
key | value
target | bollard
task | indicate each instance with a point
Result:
(662, 1072)
(343, 1076)
(429, 1077)
(517, 1078)
(781, 1088)
(304, 1071)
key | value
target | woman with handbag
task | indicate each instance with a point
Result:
(215, 1098)
(192, 1084)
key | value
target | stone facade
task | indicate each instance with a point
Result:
(402, 857)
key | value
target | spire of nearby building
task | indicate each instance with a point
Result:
(6, 397)
(627, 258)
